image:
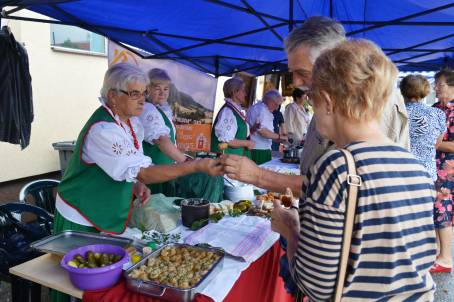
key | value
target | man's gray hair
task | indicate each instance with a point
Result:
(273, 95)
(318, 33)
(231, 86)
(158, 75)
(119, 76)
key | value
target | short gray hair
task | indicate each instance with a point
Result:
(119, 76)
(158, 74)
(318, 33)
(273, 95)
(231, 86)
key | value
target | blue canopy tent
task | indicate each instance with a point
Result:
(221, 37)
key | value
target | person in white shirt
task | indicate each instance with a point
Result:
(296, 118)
(160, 143)
(260, 117)
(157, 120)
(160, 133)
(230, 128)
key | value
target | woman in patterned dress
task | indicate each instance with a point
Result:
(443, 211)
(427, 124)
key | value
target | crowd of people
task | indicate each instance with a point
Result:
(402, 148)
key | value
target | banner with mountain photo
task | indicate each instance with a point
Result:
(192, 96)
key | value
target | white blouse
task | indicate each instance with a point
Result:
(226, 126)
(260, 114)
(111, 147)
(153, 123)
(296, 121)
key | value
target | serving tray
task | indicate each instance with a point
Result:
(66, 241)
(167, 292)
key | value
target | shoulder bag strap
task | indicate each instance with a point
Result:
(353, 183)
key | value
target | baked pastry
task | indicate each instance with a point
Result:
(223, 146)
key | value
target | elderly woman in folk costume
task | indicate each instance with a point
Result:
(160, 143)
(159, 131)
(230, 132)
(108, 169)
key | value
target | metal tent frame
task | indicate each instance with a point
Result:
(221, 64)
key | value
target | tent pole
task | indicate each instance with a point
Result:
(242, 9)
(415, 50)
(331, 10)
(214, 41)
(253, 12)
(254, 67)
(182, 56)
(221, 41)
(216, 66)
(394, 21)
(425, 54)
(420, 44)
(290, 16)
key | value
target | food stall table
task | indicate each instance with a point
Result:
(276, 165)
(259, 282)
(46, 270)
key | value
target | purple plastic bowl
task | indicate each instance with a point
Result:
(95, 278)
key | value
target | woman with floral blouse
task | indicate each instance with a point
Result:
(443, 212)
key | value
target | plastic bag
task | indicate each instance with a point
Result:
(159, 214)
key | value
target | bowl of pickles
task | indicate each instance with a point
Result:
(96, 266)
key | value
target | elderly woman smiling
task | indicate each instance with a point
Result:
(393, 240)
(108, 167)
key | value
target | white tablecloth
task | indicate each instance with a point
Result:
(277, 165)
(222, 283)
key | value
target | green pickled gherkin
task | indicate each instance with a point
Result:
(104, 259)
(79, 258)
(73, 263)
(90, 257)
(111, 257)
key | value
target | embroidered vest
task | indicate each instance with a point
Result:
(158, 157)
(106, 203)
(241, 134)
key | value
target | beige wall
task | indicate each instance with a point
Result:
(65, 91)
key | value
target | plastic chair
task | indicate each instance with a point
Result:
(15, 239)
(43, 193)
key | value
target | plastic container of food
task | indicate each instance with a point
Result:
(95, 278)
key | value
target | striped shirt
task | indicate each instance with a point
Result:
(393, 244)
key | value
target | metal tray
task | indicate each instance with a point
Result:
(169, 293)
(66, 241)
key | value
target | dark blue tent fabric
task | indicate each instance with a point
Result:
(224, 36)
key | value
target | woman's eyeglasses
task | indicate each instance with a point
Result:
(135, 94)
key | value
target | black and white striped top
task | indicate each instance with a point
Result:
(393, 244)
